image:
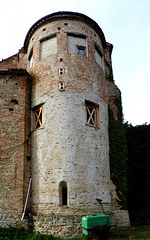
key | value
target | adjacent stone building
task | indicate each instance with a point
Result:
(54, 97)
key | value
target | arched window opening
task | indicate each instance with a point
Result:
(63, 194)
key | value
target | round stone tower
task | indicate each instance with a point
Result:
(69, 139)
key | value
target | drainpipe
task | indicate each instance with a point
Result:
(26, 199)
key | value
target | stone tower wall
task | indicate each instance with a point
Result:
(65, 148)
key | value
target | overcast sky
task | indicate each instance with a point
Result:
(125, 23)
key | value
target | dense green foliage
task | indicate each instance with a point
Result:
(130, 165)
(138, 141)
(118, 153)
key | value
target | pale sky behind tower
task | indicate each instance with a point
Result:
(125, 24)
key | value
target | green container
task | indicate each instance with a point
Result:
(91, 221)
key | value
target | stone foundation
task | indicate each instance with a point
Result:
(63, 226)
(58, 226)
(120, 218)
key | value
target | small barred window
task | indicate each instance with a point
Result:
(91, 113)
(38, 117)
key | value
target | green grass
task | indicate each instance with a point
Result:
(11, 233)
(134, 233)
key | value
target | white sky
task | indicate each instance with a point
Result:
(125, 23)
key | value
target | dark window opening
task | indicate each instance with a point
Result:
(63, 194)
(14, 101)
(81, 50)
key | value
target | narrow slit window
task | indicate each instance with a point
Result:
(63, 194)
(98, 55)
(30, 59)
(91, 114)
(38, 113)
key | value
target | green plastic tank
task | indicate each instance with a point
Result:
(92, 221)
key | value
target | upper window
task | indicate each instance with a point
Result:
(77, 44)
(81, 50)
(38, 117)
(30, 59)
(91, 113)
(48, 46)
(98, 55)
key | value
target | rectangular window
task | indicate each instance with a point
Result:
(98, 55)
(81, 50)
(91, 113)
(77, 44)
(38, 117)
(48, 46)
(30, 59)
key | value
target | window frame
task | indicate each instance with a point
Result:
(92, 113)
(99, 52)
(78, 45)
(44, 39)
(80, 49)
(38, 117)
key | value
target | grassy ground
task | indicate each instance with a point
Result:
(136, 233)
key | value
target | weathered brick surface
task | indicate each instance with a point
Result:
(15, 118)
(17, 61)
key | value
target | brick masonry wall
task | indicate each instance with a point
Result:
(17, 61)
(15, 118)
